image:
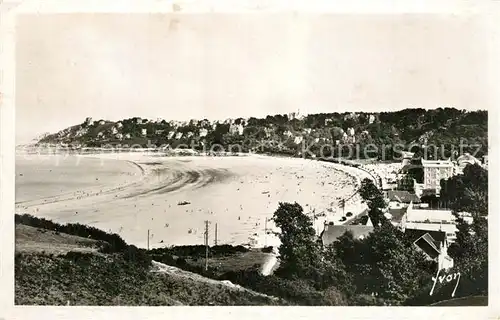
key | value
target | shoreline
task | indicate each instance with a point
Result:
(260, 239)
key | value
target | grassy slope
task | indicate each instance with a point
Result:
(50, 272)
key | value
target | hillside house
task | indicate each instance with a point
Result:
(351, 131)
(203, 132)
(119, 136)
(81, 132)
(127, 136)
(178, 135)
(298, 140)
(406, 158)
(190, 134)
(119, 125)
(100, 134)
(102, 122)
(170, 134)
(371, 119)
(236, 129)
(144, 132)
(138, 121)
(485, 161)
(114, 130)
(88, 121)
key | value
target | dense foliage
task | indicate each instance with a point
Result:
(467, 192)
(390, 132)
(89, 279)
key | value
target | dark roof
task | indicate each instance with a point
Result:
(428, 245)
(402, 196)
(397, 214)
(415, 234)
(331, 233)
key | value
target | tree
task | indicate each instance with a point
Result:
(467, 192)
(299, 250)
(384, 263)
(374, 198)
(470, 252)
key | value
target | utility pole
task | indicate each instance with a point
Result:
(148, 239)
(206, 244)
(265, 232)
(215, 234)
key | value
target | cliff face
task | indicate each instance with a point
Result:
(287, 133)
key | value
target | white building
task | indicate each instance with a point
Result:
(190, 134)
(144, 132)
(88, 121)
(298, 140)
(127, 136)
(434, 172)
(430, 220)
(407, 156)
(287, 133)
(236, 129)
(119, 136)
(114, 130)
(203, 132)
(171, 134)
(371, 119)
(102, 122)
(119, 125)
(350, 131)
(138, 121)
(100, 135)
(178, 135)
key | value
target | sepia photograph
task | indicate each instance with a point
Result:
(285, 158)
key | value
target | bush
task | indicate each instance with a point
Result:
(199, 251)
(116, 243)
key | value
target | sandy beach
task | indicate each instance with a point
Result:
(172, 196)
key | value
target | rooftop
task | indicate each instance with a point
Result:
(437, 163)
(402, 196)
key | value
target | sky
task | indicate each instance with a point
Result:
(216, 66)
